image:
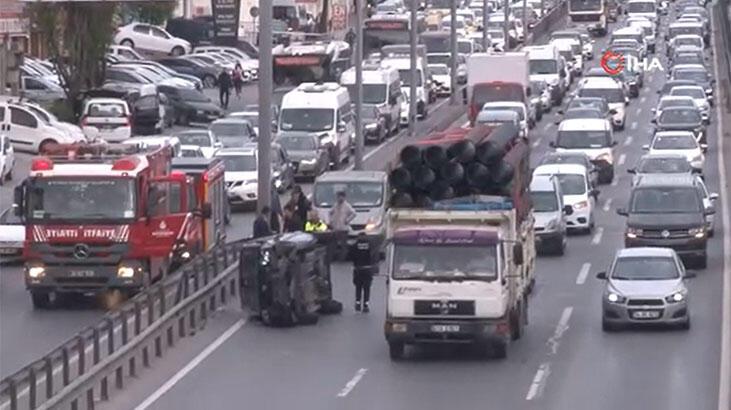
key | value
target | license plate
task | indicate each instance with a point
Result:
(8, 251)
(81, 273)
(646, 314)
(445, 328)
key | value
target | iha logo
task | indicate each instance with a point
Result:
(612, 63)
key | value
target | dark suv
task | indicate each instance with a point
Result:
(667, 211)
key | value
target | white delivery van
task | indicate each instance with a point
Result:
(403, 65)
(546, 64)
(548, 211)
(381, 88)
(610, 90)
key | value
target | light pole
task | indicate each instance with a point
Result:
(455, 52)
(264, 146)
(359, 84)
(412, 72)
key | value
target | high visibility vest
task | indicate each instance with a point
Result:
(318, 226)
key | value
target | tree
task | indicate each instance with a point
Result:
(77, 36)
(156, 13)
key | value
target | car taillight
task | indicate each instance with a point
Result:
(129, 121)
(473, 112)
(84, 121)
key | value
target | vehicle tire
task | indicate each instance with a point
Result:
(209, 81)
(9, 175)
(711, 232)
(41, 300)
(561, 247)
(45, 144)
(608, 327)
(500, 349)
(308, 319)
(330, 307)
(127, 43)
(177, 51)
(685, 325)
(702, 262)
(516, 330)
(606, 177)
(396, 350)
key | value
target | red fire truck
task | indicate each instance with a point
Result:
(101, 220)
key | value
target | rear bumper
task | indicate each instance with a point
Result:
(425, 331)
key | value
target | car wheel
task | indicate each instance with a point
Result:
(209, 81)
(396, 350)
(561, 246)
(608, 327)
(41, 300)
(127, 43)
(701, 262)
(9, 175)
(500, 349)
(177, 51)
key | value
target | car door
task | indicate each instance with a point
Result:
(287, 169)
(23, 129)
(34, 89)
(142, 37)
(160, 40)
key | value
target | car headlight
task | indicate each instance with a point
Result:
(325, 139)
(551, 225)
(371, 127)
(277, 183)
(613, 297)
(399, 327)
(581, 205)
(200, 112)
(36, 272)
(633, 233)
(676, 297)
(309, 161)
(125, 272)
(697, 232)
(373, 224)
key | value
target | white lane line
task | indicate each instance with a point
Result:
(538, 385)
(547, 126)
(537, 142)
(352, 383)
(724, 391)
(597, 239)
(539, 381)
(607, 205)
(466, 124)
(643, 99)
(615, 182)
(191, 365)
(639, 111)
(628, 141)
(561, 328)
(622, 158)
(583, 273)
(633, 126)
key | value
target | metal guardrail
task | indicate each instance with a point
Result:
(143, 328)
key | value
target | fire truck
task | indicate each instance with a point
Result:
(101, 220)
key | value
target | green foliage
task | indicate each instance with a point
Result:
(156, 13)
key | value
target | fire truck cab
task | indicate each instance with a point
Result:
(101, 220)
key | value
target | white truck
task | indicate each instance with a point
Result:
(496, 77)
(461, 274)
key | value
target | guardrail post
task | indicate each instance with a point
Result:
(158, 346)
(138, 318)
(195, 282)
(119, 378)
(225, 256)
(104, 388)
(150, 308)
(133, 366)
(90, 399)
(193, 320)
(162, 300)
(65, 365)
(204, 268)
(110, 336)
(75, 404)
(48, 367)
(81, 347)
(171, 336)
(125, 330)
(13, 391)
(96, 346)
(32, 387)
(145, 356)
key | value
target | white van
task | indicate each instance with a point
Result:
(631, 33)
(548, 211)
(323, 110)
(642, 8)
(403, 65)
(610, 90)
(546, 64)
(648, 28)
(381, 88)
(576, 191)
(29, 131)
(590, 136)
(572, 51)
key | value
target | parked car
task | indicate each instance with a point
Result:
(29, 131)
(109, 119)
(206, 74)
(191, 105)
(12, 235)
(152, 38)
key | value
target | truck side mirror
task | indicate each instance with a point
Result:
(206, 210)
(518, 253)
(341, 127)
(464, 95)
(622, 212)
(601, 275)
(18, 194)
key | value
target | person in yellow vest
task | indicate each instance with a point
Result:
(314, 223)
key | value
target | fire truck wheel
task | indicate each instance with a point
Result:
(396, 350)
(516, 328)
(308, 318)
(41, 300)
(500, 349)
(331, 307)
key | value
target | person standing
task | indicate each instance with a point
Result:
(365, 265)
(277, 219)
(314, 223)
(224, 88)
(301, 204)
(341, 214)
(238, 79)
(292, 221)
(261, 223)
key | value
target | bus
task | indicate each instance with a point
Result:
(590, 15)
(388, 29)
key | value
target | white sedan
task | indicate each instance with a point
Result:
(678, 142)
(12, 234)
(152, 38)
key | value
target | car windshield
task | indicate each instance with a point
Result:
(665, 200)
(517, 110)
(191, 153)
(543, 66)
(369, 113)
(644, 7)
(192, 95)
(563, 158)
(664, 166)
(645, 268)
(612, 95)
(572, 184)
(585, 102)
(307, 119)
(252, 117)
(674, 142)
(298, 143)
(106, 110)
(86, 199)
(693, 92)
(239, 163)
(405, 76)
(680, 102)
(358, 194)
(444, 262)
(583, 139)
(438, 59)
(201, 139)
(692, 75)
(688, 41)
(229, 129)
(583, 113)
(372, 93)
(544, 201)
(680, 116)
(688, 59)
(439, 69)
(464, 47)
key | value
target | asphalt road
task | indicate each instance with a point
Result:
(564, 361)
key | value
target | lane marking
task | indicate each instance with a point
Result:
(615, 182)
(537, 142)
(607, 205)
(350, 385)
(191, 365)
(639, 111)
(628, 141)
(547, 126)
(643, 99)
(622, 158)
(583, 273)
(536, 388)
(538, 385)
(724, 390)
(596, 240)
(633, 126)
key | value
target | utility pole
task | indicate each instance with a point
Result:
(264, 146)
(506, 12)
(412, 72)
(525, 22)
(455, 52)
(485, 17)
(359, 84)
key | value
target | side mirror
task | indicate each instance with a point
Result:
(614, 143)
(654, 120)
(689, 274)
(560, 111)
(275, 127)
(622, 212)
(552, 144)
(645, 147)
(626, 100)
(518, 253)
(709, 211)
(218, 145)
(704, 148)
(653, 110)
(601, 275)
(341, 127)
(18, 197)
(631, 171)
(612, 111)
(568, 209)
(713, 196)
(464, 95)
(206, 210)
(562, 74)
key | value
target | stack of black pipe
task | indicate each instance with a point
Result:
(483, 160)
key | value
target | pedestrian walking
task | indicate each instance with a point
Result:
(238, 79)
(224, 88)
(350, 37)
(261, 223)
(277, 220)
(365, 265)
(301, 204)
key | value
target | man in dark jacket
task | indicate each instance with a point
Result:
(301, 204)
(261, 223)
(224, 87)
(277, 218)
(365, 265)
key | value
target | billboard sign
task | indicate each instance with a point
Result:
(226, 19)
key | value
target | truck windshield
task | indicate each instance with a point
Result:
(583, 139)
(201, 139)
(372, 93)
(358, 194)
(648, 7)
(81, 199)
(484, 93)
(307, 119)
(585, 5)
(543, 66)
(572, 184)
(444, 262)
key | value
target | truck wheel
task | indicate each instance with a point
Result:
(500, 349)
(41, 300)
(561, 247)
(702, 261)
(609, 327)
(516, 330)
(396, 350)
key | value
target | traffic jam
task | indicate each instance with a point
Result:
(594, 137)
